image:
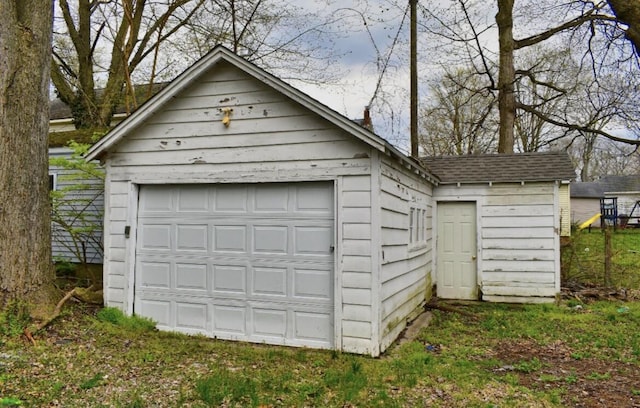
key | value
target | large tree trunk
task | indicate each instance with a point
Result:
(628, 12)
(506, 76)
(26, 270)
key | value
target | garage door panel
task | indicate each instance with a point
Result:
(313, 199)
(154, 275)
(156, 199)
(230, 278)
(246, 262)
(155, 237)
(271, 198)
(313, 240)
(230, 319)
(231, 199)
(192, 237)
(312, 283)
(230, 238)
(191, 315)
(158, 310)
(312, 326)
(192, 199)
(270, 281)
(191, 276)
(269, 322)
(270, 239)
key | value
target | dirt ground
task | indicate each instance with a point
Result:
(587, 382)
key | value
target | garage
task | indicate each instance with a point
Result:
(239, 208)
(249, 262)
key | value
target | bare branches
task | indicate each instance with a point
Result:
(575, 127)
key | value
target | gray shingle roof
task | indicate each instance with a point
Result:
(587, 190)
(607, 184)
(620, 183)
(501, 168)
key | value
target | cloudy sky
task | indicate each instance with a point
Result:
(371, 46)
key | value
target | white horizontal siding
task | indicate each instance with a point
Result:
(115, 244)
(518, 230)
(356, 263)
(565, 210)
(88, 201)
(405, 274)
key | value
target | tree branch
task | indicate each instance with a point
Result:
(579, 128)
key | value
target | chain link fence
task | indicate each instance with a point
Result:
(602, 257)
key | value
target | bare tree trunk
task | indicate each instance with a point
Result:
(506, 76)
(628, 11)
(26, 270)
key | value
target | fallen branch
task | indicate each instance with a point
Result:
(594, 293)
(56, 312)
(433, 304)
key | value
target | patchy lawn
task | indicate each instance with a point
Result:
(493, 355)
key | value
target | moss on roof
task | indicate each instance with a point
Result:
(90, 136)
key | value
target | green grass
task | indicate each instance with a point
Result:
(107, 359)
(583, 258)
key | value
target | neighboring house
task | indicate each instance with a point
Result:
(82, 212)
(585, 202)
(497, 221)
(240, 208)
(585, 197)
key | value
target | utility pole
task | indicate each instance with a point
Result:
(413, 4)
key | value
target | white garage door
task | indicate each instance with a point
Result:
(250, 262)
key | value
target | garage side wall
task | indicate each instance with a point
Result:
(268, 139)
(518, 239)
(405, 247)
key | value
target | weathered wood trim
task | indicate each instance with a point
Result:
(130, 260)
(376, 258)
(106, 239)
(556, 238)
(338, 312)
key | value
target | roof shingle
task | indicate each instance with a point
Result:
(505, 168)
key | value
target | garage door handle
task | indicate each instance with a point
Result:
(331, 248)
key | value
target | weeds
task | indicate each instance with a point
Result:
(116, 317)
(227, 388)
(14, 319)
(92, 382)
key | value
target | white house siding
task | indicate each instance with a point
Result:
(356, 264)
(269, 139)
(89, 200)
(565, 210)
(518, 239)
(626, 202)
(405, 273)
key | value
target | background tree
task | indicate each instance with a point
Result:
(459, 116)
(113, 44)
(292, 42)
(127, 31)
(536, 97)
(26, 271)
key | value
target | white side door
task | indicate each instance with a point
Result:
(456, 251)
